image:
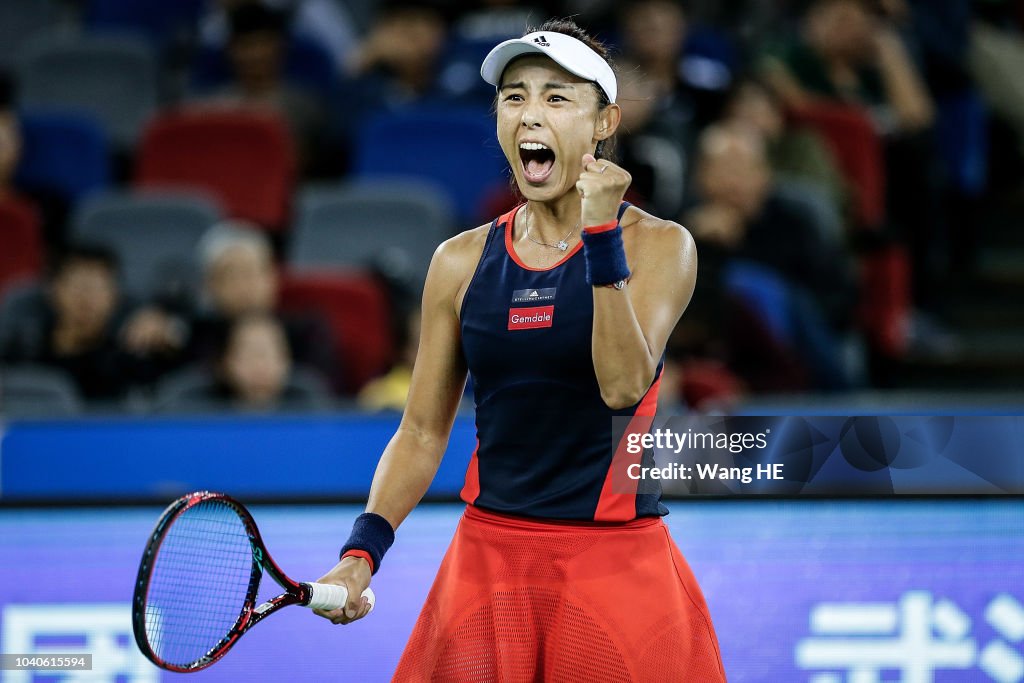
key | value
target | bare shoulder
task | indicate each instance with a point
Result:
(647, 234)
(459, 255)
(452, 268)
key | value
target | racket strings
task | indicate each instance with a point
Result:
(199, 583)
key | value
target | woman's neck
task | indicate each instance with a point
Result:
(549, 221)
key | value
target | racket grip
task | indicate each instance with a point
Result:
(328, 596)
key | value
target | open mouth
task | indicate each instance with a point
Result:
(538, 161)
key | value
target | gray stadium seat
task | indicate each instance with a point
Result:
(188, 391)
(115, 78)
(21, 20)
(392, 224)
(33, 391)
(154, 234)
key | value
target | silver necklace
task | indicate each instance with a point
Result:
(561, 245)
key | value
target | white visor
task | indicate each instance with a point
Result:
(570, 54)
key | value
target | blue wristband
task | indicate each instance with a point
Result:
(605, 257)
(373, 534)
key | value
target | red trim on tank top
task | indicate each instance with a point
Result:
(509, 223)
(471, 489)
(616, 506)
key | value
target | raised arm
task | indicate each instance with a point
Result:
(904, 88)
(631, 323)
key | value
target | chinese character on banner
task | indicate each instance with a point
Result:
(102, 630)
(855, 642)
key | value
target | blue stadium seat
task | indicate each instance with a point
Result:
(64, 152)
(155, 235)
(460, 70)
(161, 20)
(455, 148)
(357, 225)
(114, 78)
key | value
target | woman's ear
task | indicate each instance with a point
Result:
(608, 120)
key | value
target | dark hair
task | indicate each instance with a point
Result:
(568, 27)
(83, 253)
(255, 17)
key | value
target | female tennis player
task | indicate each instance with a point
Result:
(561, 568)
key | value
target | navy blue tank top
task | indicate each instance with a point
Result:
(544, 435)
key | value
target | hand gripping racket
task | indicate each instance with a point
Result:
(195, 594)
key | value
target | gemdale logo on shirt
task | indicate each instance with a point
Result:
(530, 318)
(530, 296)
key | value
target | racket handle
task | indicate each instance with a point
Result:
(328, 596)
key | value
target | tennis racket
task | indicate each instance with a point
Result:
(195, 594)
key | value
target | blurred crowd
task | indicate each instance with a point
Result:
(830, 158)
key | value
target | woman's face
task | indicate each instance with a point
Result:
(257, 362)
(655, 31)
(547, 120)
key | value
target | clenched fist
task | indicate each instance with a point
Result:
(602, 185)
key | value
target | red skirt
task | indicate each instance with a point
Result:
(523, 601)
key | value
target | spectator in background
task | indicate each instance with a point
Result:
(240, 279)
(398, 64)
(80, 324)
(663, 110)
(325, 22)
(658, 41)
(255, 369)
(740, 218)
(794, 154)
(852, 53)
(256, 48)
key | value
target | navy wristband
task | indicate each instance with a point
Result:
(605, 257)
(373, 534)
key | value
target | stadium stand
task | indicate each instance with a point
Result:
(155, 235)
(246, 160)
(407, 221)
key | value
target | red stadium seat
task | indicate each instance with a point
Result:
(245, 159)
(22, 254)
(357, 309)
(858, 151)
(707, 382)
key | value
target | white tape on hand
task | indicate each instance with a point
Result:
(328, 596)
